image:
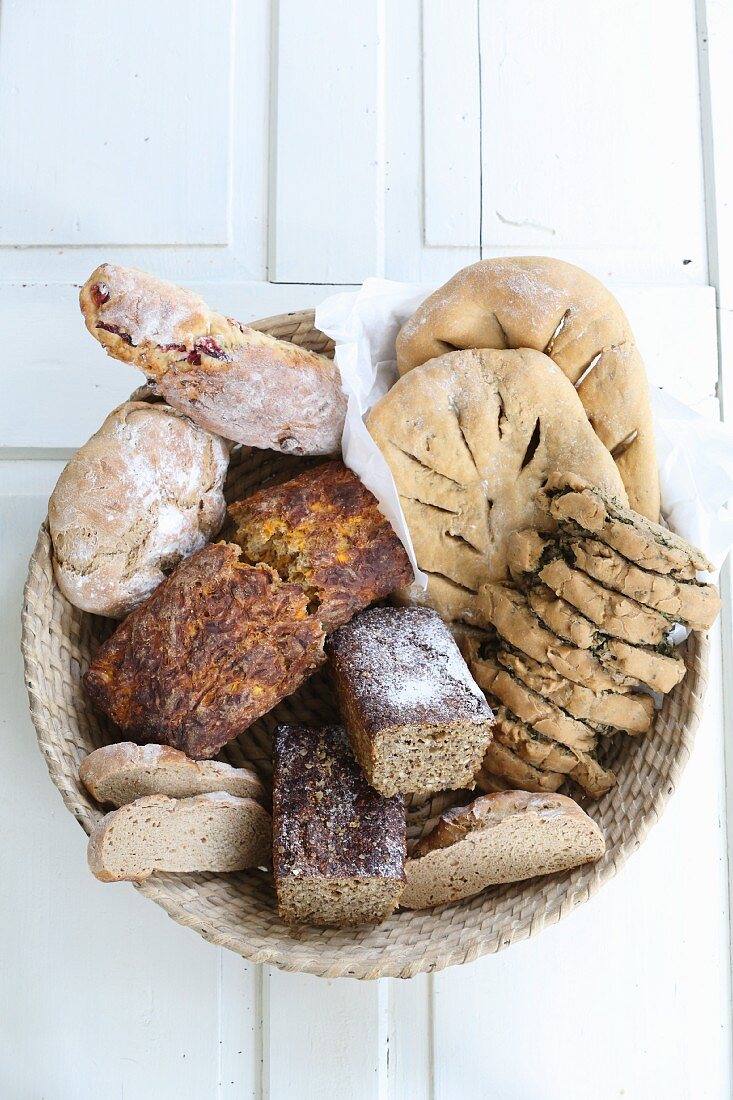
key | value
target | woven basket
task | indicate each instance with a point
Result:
(238, 911)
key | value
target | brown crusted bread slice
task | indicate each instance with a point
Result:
(338, 845)
(501, 761)
(632, 712)
(414, 715)
(548, 755)
(118, 774)
(581, 507)
(503, 837)
(228, 377)
(697, 605)
(612, 612)
(218, 644)
(507, 610)
(562, 618)
(542, 715)
(209, 832)
(659, 671)
(324, 530)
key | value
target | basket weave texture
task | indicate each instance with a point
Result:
(238, 911)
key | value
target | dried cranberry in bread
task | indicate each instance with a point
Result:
(324, 530)
(416, 719)
(218, 644)
(338, 845)
(502, 837)
(232, 379)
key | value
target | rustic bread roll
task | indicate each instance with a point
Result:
(210, 832)
(579, 505)
(233, 380)
(416, 720)
(218, 644)
(142, 493)
(503, 837)
(558, 309)
(324, 530)
(118, 774)
(338, 846)
(470, 438)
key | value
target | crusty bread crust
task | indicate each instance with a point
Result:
(122, 773)
(144, 492)
(501, 837)
(324, 530)
(233, 380)
(556, 308)
(218, 644)
(210, 832)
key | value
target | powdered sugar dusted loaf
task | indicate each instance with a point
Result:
(338, 846)
(416, 719)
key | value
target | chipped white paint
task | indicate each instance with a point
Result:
(331, 146)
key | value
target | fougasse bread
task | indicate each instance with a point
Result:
(324, 530)
(228, 377)
(218, 644)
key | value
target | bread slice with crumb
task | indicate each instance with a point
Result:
(501, 837)
(209, 832)
(118, 774)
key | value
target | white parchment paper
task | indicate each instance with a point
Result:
(695, 452)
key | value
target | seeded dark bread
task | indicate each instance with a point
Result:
(338, 845)
(228, 377)
(218, 644)
(416, 720)
(324, 530)
(502, 837)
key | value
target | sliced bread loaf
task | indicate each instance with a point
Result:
(502, 837)
(118, 774)
(209, 832)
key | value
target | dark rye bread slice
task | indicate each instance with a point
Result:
(581, 508)
(612, 612)
(503, 837)
(690, 602)
(323, 530)
(415, 717)
(216, 646)
(632, 712)
(118, 774)
(209, 832)
(338, 845)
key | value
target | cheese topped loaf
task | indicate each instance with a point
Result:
(416, 719)
(338, 845)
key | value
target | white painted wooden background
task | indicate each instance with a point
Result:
(267, 151)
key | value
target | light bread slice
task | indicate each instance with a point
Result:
(502, 837)
(118, 774)
(689, 602)
(632, 712)
(562, 618)
(659, 671)
(581, 508)
(612, 612)
(209, 832)
(499, 760)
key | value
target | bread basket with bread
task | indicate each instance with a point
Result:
(259, 716)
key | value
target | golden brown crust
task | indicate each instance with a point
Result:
(324, 530)
(218, 644)
(229, 378)
(556, 308)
